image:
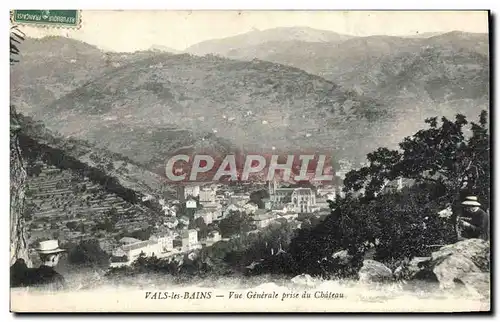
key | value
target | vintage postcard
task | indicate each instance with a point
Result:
(249, 161)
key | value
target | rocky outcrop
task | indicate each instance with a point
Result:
(477, 283)
(477, 250)
(416, 268)
(465, 263)
(18, 240)
(342, 256)
(453, 262)
(304, 280)
(373, 271)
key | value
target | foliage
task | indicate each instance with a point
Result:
(235, 223)
(445, 164)
(88, 252)
(222, 258)
(141, 234)
(257, 196)
(202, 227)
(108, 224)
(440, 154)
(16, 36)
(239, 252)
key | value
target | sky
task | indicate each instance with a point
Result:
(131, 30)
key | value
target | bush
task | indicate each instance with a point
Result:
(441, 161)
(88, 252)
(235, 223)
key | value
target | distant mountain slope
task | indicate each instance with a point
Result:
(432, 73)
(165, 49)
(51, 67)
(136, 109)
(147, 105)
(349, 63)
(257, 37)
(75, 191)
(113, 171)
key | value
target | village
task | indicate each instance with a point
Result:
(209, 204)
(197, 215)
(194, 220)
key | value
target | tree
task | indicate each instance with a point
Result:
(442, 155)
(142, 234)
(257, 196)
(71, 225)
(346, 228)
(16, 37)
(18, 240)
(235, 223)
(88, 252)
(445, 164)
(202, 227)
(113, 215)
(81, 228)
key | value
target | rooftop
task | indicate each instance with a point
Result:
(138, 245)
(211, 205)
(263, 217)
(204, 211)
(303, 191)
(129, 240)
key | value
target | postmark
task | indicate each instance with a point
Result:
(47, 18)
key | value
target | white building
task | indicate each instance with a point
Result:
(262, 218)
(239, 199)
(189, 239)
(301, 200)
(186, 191)
(166, 242)
(215, 209)
(283, 208)
(206, 214)
(134, 250)
(128, 240)
(191, 203)
(393, 186)
(193, 191)
(268, 204)
(207, 195)
(328, 193)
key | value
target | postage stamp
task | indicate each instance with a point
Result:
(47, 18)
(250, 161)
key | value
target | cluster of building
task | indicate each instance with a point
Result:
(160, 246)
(213, 202)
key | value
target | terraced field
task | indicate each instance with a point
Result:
(71, 207)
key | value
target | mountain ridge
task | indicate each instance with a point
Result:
(261, 36)
(174, 89)
(150, 96)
